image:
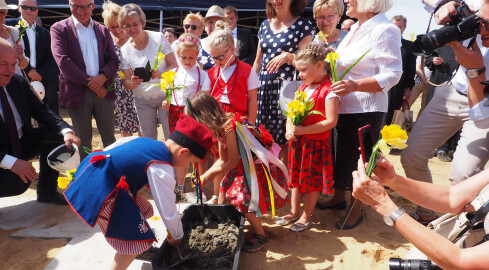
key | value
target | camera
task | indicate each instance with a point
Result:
(396, 263)
(464, 25)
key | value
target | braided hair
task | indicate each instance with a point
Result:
(314, 53)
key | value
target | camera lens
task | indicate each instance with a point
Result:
(398, 264)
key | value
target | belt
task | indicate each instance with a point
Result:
(463, 94)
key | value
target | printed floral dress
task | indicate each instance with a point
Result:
(234, 185)
(271, 45)
(126, 118)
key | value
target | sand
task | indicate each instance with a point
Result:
(369, 246)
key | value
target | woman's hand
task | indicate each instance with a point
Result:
(278, 61)
(384, 172)
(19, 50)
(344, 87)
(165, 105)
(155, 74)
(135, 81)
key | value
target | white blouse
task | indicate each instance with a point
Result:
(133, 58)
(383, 62)
(189, 78)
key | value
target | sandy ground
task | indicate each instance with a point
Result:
(369, 246)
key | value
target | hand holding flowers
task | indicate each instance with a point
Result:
(22, 26)
(300, 108)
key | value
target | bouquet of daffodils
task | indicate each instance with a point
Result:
(63, 182)
(392, 135)
(22, 26)
(167, 84)
(300, 108)
(331, 58)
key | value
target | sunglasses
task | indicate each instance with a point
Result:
(194, 27)
(221, 57)
(82, 7)
(28, 8)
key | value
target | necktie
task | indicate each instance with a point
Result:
(8, 116)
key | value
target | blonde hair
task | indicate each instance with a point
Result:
(374, 6)
(221, 36)
(194, 16)
(129, 10)
(314, 53)
(187, 41)
(110, 12)
(337, 5)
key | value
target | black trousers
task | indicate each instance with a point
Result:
(34, 144)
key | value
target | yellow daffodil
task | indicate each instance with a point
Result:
(155, 218)
(160, 57)
(300, 95)
(322, 36)
(169, 76)
(331, 57)
(21, 24)
(121, 75)
(412, 37)
(64, 181)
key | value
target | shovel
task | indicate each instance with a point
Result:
(182, 259)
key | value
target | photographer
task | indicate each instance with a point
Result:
(439, 198)
(450, 110)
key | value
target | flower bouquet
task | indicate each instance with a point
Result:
(392, 136)
(167, 84)
(331, 58)
(111, 86)
(300, 108)
(63, 182)
(22, 26)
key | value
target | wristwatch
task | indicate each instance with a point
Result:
(475, 72)
(389, 220)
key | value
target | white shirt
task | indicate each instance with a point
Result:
(235, 36)
(383, 62)
(253, 82)
(31, 35)
(162, 183)
(189, 78)
(88, 45)
(133, 58)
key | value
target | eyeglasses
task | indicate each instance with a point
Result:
(129, 26)
(322, 18)
(82, 7)
(28, 8)
(194, 27)
(485, 23)
(221, 57)
(271, 1)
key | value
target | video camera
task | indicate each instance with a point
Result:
(399, 264)
(464, 25)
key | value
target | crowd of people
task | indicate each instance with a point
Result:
(226, 107)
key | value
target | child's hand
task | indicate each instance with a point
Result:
(289, 132)
(155, 74)
(165, 105)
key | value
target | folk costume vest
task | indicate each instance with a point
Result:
(113, 173)
(237, 86)
(319, 97)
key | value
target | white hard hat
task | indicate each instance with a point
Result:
(38, 89)
(63, 159)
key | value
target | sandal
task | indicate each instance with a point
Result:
(340, 225)
(422, 220)
(282, 221)
(256, 243)
(297, 227)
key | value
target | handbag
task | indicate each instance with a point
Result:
(403, 117)
(459, 228)
(287, 91)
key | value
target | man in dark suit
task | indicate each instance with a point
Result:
(86, 57)
(19, 141)
(400, 93)
(243, 40)
(42, 66)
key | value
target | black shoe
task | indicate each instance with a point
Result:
(54, 198)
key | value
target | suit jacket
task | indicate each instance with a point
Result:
(408, 65)
(45, 64)
(28, 106)
(246, 47)
(73, 78)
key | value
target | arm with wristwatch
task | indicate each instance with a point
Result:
(444, 199)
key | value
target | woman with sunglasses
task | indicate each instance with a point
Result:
(143, 47)
(192, 24)
(11, 34)
(280, 36)
(327, 14)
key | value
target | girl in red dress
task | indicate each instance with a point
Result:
(310, 157)
(251, 176)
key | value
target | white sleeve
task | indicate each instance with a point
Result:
(125, 57)
(162, 183)
(253, 80)
(165, 45)
(8, 162)
(480, 114)
(120, 141)
(329, 96)
(388, 58)
(206, 84)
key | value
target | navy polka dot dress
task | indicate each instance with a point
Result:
(271, 45)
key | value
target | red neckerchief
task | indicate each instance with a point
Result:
(318, 90)
(220, 82)
(198, 84)
(322, 80)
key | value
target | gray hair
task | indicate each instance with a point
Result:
(32, 0)
(129, 10)
(398, 18)
(375, 6)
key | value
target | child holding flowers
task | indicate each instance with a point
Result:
(310, 157)
(192, 78)
(233, 84)
(255, 179)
